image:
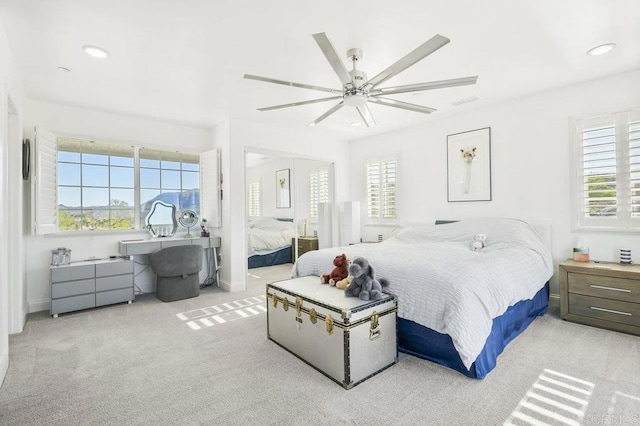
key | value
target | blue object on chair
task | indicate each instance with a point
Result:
(178, 271)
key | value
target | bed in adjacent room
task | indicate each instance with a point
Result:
(269, 241)
(457, 307)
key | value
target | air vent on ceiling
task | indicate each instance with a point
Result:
(465, 100)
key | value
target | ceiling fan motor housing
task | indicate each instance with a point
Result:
(358, 77)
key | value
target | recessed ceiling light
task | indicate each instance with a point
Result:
(95, 51)
(64, 69)
(601, 50)
(356, 124)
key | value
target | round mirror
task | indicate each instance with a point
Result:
(188, 219)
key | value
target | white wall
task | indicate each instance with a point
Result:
(530, 162)
(12, 279)
(248, 136)
(66, 120)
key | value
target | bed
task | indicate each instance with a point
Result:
(269, 241)
(457, 307)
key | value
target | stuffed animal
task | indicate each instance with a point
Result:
(338, 273)
(364, 284)
(478, 242)
(342, 284)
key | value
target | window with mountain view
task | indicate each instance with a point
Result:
(96, 184)
(171, 177)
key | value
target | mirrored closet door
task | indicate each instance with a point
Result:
(288, 212)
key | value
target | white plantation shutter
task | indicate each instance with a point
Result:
(608, 171)
(313, 194)
(381, 189)
(253, 197)
(388, 192)
(318, 190)
(323, 186)
(210, 188)
(44, 191)
(634, 164)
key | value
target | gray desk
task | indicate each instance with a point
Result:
(133, 247)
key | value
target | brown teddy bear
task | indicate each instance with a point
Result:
(338, 273)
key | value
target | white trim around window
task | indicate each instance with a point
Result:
(605, 183)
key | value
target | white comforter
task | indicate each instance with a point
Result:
(442, 284)
(267, 234)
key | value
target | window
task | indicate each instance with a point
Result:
(607, 183)
(172, 177)
(253, 197)
(318, 190)
(96, 184)
(381, 189)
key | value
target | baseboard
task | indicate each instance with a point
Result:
(4, 366)
(39, 305)
(231, 288)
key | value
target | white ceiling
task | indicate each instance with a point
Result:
(184, 60)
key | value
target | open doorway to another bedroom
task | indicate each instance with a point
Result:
(288, 205)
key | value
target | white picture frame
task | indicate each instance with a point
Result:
(469, 166)
(283, 189)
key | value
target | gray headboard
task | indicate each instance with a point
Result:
(444, 222)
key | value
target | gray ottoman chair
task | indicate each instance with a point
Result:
(178, 269)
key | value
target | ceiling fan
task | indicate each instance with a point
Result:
(357, 90)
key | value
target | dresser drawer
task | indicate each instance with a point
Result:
(114, 296)
(114, 267)
(602, 286)
(72, 288)
(115, 282)
(605, 309)
(76, 303)
(72, 272)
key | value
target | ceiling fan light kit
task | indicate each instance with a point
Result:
(357, 90)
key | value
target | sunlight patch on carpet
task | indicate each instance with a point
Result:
(198, 319)
(555, 398)
(624, 409)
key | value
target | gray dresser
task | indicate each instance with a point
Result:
(91, 283)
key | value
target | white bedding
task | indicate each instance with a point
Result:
(442, 284)
(267, 234)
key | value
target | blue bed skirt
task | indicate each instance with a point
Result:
(276, 258)
(426, 343)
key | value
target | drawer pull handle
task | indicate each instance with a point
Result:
(595, 308)
(623, 290)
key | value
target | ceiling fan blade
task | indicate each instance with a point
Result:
(333, 58)
(365, 113)
(313, 101)
(292, 84)
(422, 51)
(326, 114)
(441, 84)
(402, 105)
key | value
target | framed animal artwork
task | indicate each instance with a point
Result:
(283, 189)
(469, 166)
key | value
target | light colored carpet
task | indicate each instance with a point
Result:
(143, 364)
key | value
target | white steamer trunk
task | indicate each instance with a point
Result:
(347, 339)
